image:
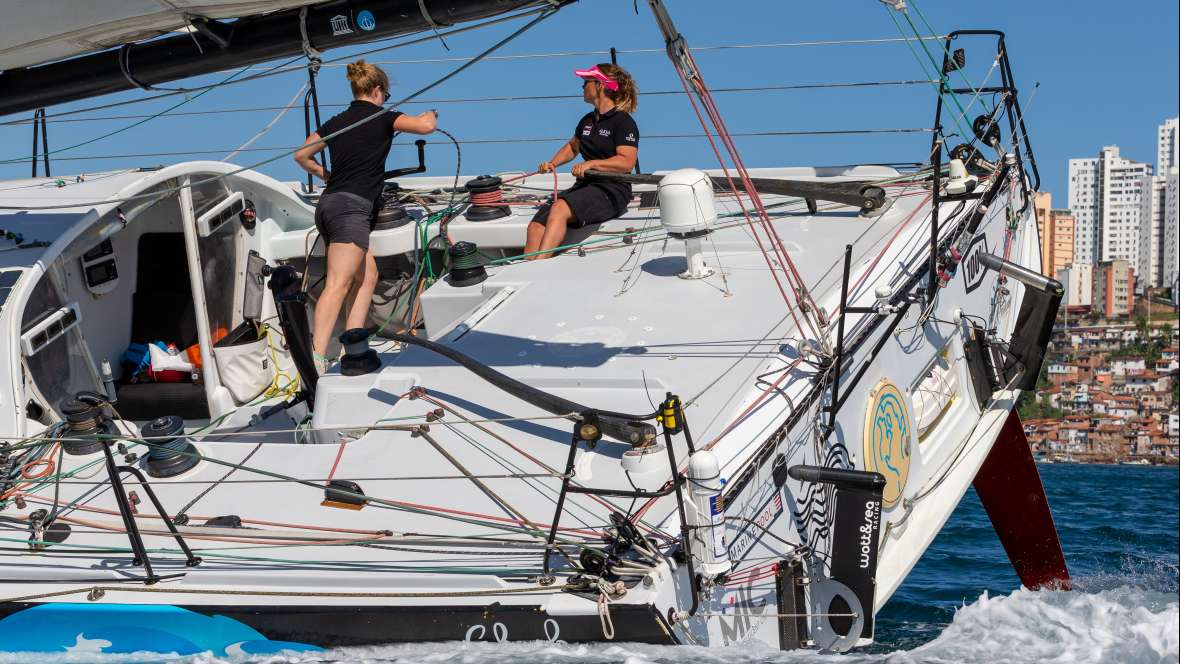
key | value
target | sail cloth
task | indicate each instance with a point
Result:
(106, 60)
(33, 33)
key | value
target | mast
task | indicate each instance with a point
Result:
(218, 45)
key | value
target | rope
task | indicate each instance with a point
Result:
(159, 193)
(309, 51)
(286, 69)
(134, 124)
(188, 506)
(270, 125)
(504, 141)
(607, 590)
(475, 518)
(434, 26)
(718, 125)
(659, 51)
(513, 99)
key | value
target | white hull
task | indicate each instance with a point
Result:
(615, 329)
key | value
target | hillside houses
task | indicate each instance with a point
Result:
(1111, 395)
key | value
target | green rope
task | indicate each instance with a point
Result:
(945, 46)
(940, 87)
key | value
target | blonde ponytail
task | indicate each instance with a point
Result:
(626, 98)
(364, 77)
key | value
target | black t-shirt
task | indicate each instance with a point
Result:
(358, 155)
(598, 137)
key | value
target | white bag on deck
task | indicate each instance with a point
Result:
(243, 363)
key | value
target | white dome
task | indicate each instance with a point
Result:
(686, 202)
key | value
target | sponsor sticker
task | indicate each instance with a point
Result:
(340, 25)
(366, 21)
(973, 268)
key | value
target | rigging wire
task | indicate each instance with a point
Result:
(145, 120)
(285, 69)
(160, 193)
(270, 125)
(547, 139)
(658, 51)
(940, 85)
(507, 98)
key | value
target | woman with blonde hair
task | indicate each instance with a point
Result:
(347, 207)
(607, 139)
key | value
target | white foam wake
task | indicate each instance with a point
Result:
(1124, 624)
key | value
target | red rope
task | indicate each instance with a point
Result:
(737, 196)
(723, 133)
(494, 197)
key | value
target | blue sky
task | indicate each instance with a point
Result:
(1107, 74)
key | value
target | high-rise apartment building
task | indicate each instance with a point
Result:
(1078, 280)
(1056, 229)
(1114, 288)
(1153, 230)
(1083, 203)
(1106, 199)
(1170, 265)
(1167, 149)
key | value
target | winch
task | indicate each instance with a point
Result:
(172, 452)
(487, 201)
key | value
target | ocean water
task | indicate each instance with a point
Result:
(962, 602)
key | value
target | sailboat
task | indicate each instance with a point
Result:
(771, 390)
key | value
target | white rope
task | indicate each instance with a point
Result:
(607, 590)
(310, 51)
(270, 125)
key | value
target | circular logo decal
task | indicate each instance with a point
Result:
(366, 21)
(887, 440)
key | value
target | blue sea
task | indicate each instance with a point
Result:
(962, 602)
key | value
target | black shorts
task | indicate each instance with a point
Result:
(590, 204)
(343, 218)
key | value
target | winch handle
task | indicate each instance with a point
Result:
(420, 168)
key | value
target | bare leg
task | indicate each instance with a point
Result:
(362, 292)
(533, 240)
(343, 263)
(559, 216)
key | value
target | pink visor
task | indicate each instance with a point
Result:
(595, 74)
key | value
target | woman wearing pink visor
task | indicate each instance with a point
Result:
(607, 138)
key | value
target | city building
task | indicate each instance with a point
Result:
(1170, 264)
(1056, 230)
(1153, 220)
(1078, 280)
(1151, 232)
(1106, 199)
(1114, 288)
(1167, 149)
